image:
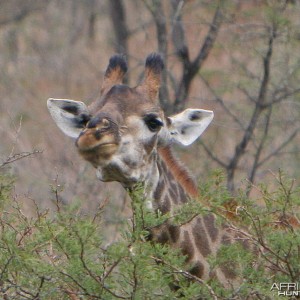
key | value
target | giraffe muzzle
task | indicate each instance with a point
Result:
(99, 136)
(96, 147)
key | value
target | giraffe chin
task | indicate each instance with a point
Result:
(108, 174)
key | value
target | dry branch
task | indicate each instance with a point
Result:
(257, 110)
(18, 156)
(191, 67)
(119, 24)
(15, 11)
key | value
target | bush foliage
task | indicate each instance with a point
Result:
(62, 256)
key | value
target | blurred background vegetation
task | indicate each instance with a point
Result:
(238, 58)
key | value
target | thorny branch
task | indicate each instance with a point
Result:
(77, 283)
(262, 247)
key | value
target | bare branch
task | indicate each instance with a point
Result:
(140, 27)
(213, 156)
(279, 98)
(247, 94)
(19, 156)
(222, 103)
(259, 149)
(118, 20)
(259, 107)
(14, 11)
(278, 149)
(178, 34)
(243, 67)
(191, 68)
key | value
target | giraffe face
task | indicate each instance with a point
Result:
(119, 135)
(120, 140)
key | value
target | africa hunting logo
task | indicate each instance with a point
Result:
(287, 289)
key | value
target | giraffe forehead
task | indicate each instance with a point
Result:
(128, 101)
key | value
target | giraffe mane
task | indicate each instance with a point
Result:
(180, 173)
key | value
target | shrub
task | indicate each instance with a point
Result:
(62, 256)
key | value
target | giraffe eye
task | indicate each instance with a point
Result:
(153, 122)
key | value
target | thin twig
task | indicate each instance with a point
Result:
(191, 68)
(222, 103)
(278, 149)
(19, 156)
(212, 155)
(258, 109)
(259, 149)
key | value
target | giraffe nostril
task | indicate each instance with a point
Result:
(105, 123)
(97, 122)
(97, 134)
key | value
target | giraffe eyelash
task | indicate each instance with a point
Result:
(153, 122)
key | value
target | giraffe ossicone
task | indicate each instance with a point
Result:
(125, 135)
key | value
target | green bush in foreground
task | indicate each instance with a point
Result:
(62, 257)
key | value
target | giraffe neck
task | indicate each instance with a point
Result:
(200, 237)
(174, 185)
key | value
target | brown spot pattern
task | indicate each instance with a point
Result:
(201, 240)
(228, 270)
(163, 237)
(159, 190)
(226, 240)
(197, 270)
(209, 222)
(187, 246)
(174, 232)
(165, 206)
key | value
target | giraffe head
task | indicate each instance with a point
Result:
(121, 131)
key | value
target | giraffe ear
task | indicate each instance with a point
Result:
(188, 125)
(70, 116)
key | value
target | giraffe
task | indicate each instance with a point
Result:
(125, 135)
